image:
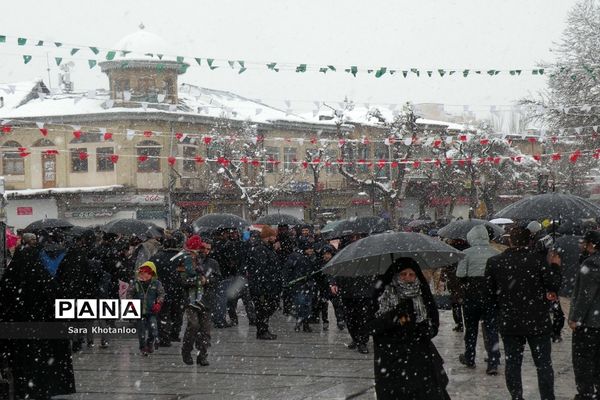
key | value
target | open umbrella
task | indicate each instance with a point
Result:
(554, 206)
(212, 222)
(278, 219)
(130, 227)
(374, 254)
(420, 223)
(459, 229)
(48, 223)
(357, 225)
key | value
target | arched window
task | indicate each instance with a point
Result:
(43, 142)
(12, 162)
(151, 149)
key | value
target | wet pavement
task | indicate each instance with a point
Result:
(295, 366)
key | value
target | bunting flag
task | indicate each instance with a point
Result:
(378, 72)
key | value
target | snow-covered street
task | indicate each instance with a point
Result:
(295, 366)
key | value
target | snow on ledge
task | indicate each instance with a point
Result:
(87, 189)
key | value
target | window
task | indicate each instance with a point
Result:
(122, 86)
(382, 152)
(152, 150)
(331, 156)
(12, 162)
(78, 163)
(363, 154)
(289, 158)
(103, 161)
(43, 143)
(272, 154)
(189, 162)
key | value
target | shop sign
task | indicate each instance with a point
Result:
(88, 214)
(24, 210)
(152, 198)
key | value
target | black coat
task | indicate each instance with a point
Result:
(264, 271)
(167, 271)
(568, 247)
(300, 266)
(27, 294)
(518, 280)
(407, 364)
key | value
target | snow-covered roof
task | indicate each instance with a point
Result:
(362, 115)
(15, 94)
(193, 100)
(34, 192)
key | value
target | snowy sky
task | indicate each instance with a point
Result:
(429, 34)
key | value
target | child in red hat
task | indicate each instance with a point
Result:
(150, 291)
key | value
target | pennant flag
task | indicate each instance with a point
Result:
(199, 160)
(437, 143)
(272, 66)
(256, 163)
(353, 70)
(147, 134)
(26, 58)
(429, 73)
(92, 63)
(108, 136)
(415, 71)
(304, 164)
(483, 142)
(465, 73)
(556, 156)
(179, 136)
(416, 164)
(58, 60)
(323, 70)
(2, 38)
(207, 140)
(114, 158)
(301, 68)
(532, 140)
(95, 50)
(44, 131)
(74, 50)
(380, 72)
(111, 55)
(83, 155)
(130, 134)
(21, 41)
(6, 128)
(160, 56)
(24, 154)
(77, 134)
(231, 64)
(210, 61)
(574, 156)
(537, 157)
(405, 73)
(142, 158)
(50, 152)
(395, 164)
(441, 72)
(243, 67)
(171, 160)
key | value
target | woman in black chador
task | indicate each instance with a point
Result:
(407, 364)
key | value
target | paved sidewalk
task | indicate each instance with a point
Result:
(295, 366)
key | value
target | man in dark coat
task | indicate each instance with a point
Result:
(358, 300)
(584, 320)
(265, 280)
(520, 283)
(42, 368)
(168, 262)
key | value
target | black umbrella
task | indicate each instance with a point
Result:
(554, 206)
(130, 227)
(48, 223)
(374, 254)
(419, 223)
(212, 222)
(459, 229)
(279, 219)
(357, 225)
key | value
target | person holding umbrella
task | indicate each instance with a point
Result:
(407, 364)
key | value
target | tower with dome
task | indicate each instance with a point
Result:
(143, 70)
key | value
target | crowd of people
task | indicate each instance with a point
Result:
(519, 291)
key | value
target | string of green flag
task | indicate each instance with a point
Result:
(98, 54)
